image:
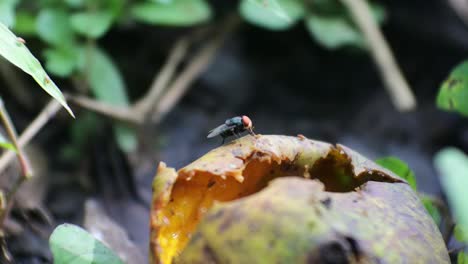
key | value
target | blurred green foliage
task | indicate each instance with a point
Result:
(72, 244)
(172, 12)
(462, 258)
(402, 169)
(453, 166)
(452, 163)
(460, 233)
(272, 15)
(70, 30)
(453, 94)
(328, 21)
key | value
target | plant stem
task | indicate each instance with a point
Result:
(10, 129)
(399, 90)
(49, 111)
(26, 171)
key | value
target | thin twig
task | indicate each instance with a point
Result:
(461, 9)
(399, 90)
(10, 198)
(156, 104)
(47, 113)
(197, 65)
(456, 249)
(120, 113)
(162, 79)
(26, 171)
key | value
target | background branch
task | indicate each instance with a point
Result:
(461, 9)
(197, 65)
(46, 114)
(399, 90)
(162, 79)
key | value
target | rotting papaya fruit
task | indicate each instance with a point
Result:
(330, 205)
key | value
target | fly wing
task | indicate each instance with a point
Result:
(233, 121)
(217, 131)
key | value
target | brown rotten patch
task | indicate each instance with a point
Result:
(244, 168)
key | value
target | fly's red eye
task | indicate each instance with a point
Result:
(246, 121)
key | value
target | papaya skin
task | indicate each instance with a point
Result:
(240, 170)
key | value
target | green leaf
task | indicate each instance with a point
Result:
(108, 86)
(116, 7)
(71, 244)
(104, 77)
(432, 210)
(453, 95)
(462, 258)
(53, 27)
(330, 23)
(61, 61)
(7, 12)
(93, 25)
(460, 233)
(25, 23)
(400, 168)
(14, 50)
(453, 167)
(4, 143)
(173, 13)
(334, 32)
(272, 14)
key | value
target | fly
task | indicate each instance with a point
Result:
(233, 127)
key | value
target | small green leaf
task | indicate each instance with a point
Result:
(173, 13)
(432, 210)
(334, 32)
(61, 61)
(7, 12)
(453, 167)
(104, 77)
(108, 86)
(453, 95)
(93, 25)
(72, 244)
(25, 23)
(272, 14)
(400, 168)
(14, 50)
(462, 258)
(53, 26)
(4, 143)
(460, 233)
